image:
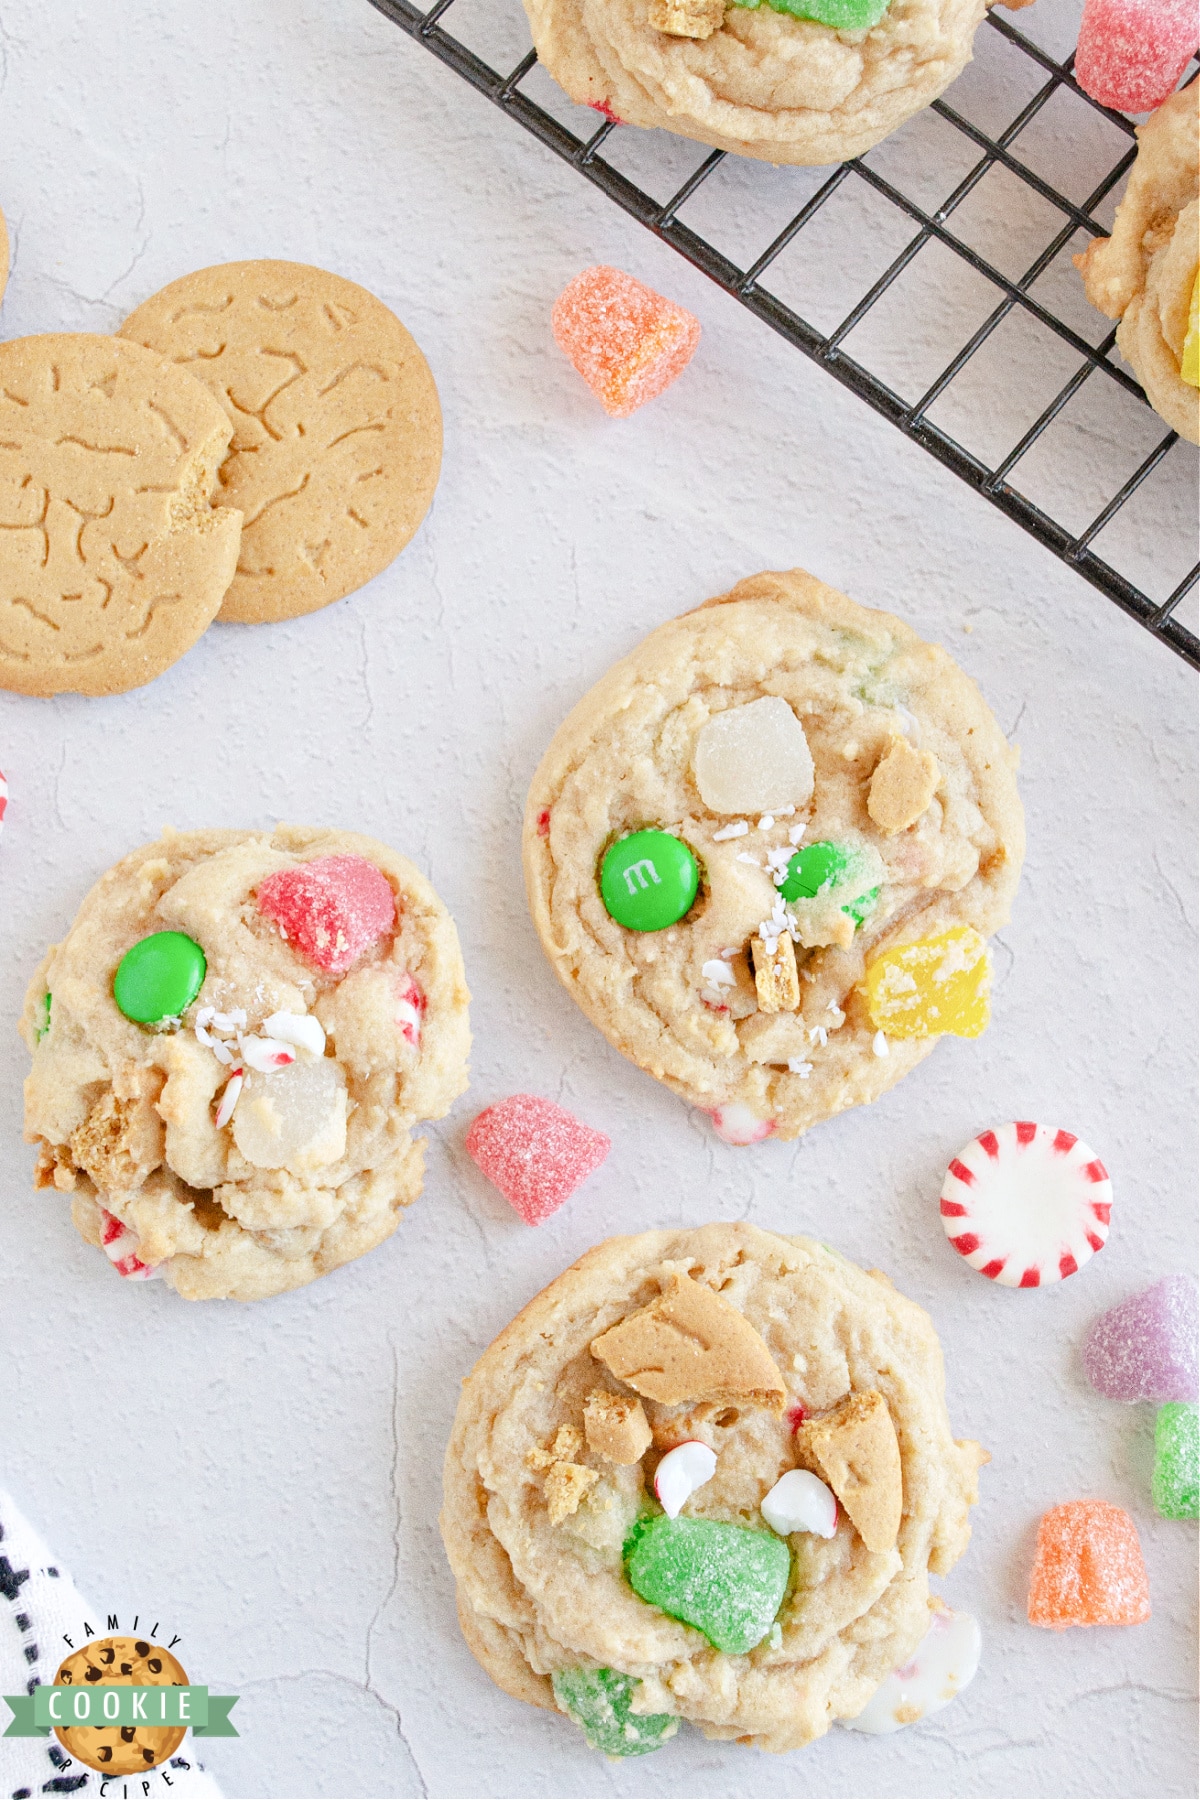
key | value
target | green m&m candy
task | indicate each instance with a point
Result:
(158, 977)
(822, 867)
(598, 1701)
(648, 880)
(726, 1580)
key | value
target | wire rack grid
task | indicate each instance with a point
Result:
(1032, 409)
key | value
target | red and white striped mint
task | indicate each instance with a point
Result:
(1026, 1204)
(121, 1247)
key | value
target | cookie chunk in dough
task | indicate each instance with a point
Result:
(765, 852)
(578, 1590)
(231, 1050)
(1147, 274)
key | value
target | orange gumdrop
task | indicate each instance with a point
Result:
(1088, 1569)
(626, 341)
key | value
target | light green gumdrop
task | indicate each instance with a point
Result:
(839, 15)
(726, 1580)
(43, 1016)
(836, 869)
(1175, 1485)
(598, 1701)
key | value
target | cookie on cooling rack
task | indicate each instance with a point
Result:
(765, 851)
(1147, 274)
(231, 1048)
(788, 81)
(337, 430)
(705, 1476)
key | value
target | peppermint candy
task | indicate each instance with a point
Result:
(121, 1247)
(3, 798)
(1026, 1204)
(682, 1470)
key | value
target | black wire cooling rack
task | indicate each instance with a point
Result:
(961, 229)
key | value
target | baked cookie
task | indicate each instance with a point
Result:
(1147, 273)
(337, 429)
(772, 1590)
(231, 1048)
(755, 78)
(113, 559)
(764, 851)
(121, 1662)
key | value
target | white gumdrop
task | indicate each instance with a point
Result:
(944, 1664)
(753, 759)
(681, 1471)
(800, 1501)
(300, 1029)
(294, 1117)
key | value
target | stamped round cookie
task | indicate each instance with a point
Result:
(705, 1476)
(764, 854)
(121, 1662)
(231, 1048)
(113, 558)
(789, 81)
(337, 430)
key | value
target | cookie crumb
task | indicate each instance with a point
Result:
(565, 1486)
(775, 975)
(616, 1427)
(687, 18)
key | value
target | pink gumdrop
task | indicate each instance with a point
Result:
(330, 910)
(627, 342)
(535, 1152)
(1145, 1348)
(1131, 53)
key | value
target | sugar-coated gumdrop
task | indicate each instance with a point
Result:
(1131, 53)
(1175, 1486)
(848, 873)
(295, 1116)
(648, 880)
(1189, 365)
(1026, 1204)
(838, 15)
(725, 1580)
(535, 1152)
(626, 341)
(943, 1664)
(158, 977)
(1088, 1568)
(331, 910)
(598, 1701)
(1145, 1348)
(753, 759)
(939, 984)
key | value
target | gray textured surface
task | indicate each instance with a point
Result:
(268, 1477)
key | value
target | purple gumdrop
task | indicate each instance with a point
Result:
(1145, 1349)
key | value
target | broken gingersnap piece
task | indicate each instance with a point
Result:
(687, 18)
(616, 1427)
(855, 1449)
(904, 782)
(690, 1344)
(775, 976)
(564, 1487)
(568, 1442)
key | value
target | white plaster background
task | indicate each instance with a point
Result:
(268, 1476)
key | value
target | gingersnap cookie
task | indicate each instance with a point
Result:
(1147, 274)
(121, 1662)
(765, 851)
(337, 430)
(113, 559)
(791, 81)
(231, 1049)
(705, 1476)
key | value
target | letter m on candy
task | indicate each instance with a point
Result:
(641, 881)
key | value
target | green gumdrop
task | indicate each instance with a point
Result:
(43, 1022)
(817, 868)
(158, 977)
(838, 15)
(1175, 1485)
(598, 1701)
(726, 1580)
(648, 880)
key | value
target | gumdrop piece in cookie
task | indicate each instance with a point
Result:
(938, 984)
(331, 910)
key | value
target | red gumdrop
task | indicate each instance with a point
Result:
(330, 910)
(627, 342)
(1131, 53)
(535, 1152)
(1088, 1568)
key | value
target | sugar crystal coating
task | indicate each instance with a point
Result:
(627, 342)
(332, 910)
(753, 758)
(838, 15)
(598, 1700)
(1145, 1348)
(1131, 53)
(937, 984)
(1175, 1485)
(725, 1580)
(1088, 1568)
(535, 1152)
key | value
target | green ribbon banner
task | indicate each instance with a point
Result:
(36, 1714)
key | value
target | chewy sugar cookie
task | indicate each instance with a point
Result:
(231, 1048)
(113, 558)
(705, 1476)
(765, 852)
(337, 430)
(789, 81)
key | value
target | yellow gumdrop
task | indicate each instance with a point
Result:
(1189, 367)
(939, 984)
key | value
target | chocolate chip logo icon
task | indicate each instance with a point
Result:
(119, 1748)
